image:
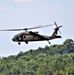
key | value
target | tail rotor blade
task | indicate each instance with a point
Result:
(55, 24)
(59, 31)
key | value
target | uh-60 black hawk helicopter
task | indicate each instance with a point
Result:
(28, 36)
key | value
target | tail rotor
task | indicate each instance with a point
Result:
(57, 27)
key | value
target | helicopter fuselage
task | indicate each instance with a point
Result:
(32, 36)
(26, 36)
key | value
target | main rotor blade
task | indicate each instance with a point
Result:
(11, 30)
(26, 28)
(38, 27)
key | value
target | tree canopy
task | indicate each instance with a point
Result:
(50, 60)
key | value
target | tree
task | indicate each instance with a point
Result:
(68, 45)
(70, 71)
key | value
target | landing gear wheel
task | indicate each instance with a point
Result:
(26, 42)
(19, 43)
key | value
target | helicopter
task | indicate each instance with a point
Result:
(29, 36)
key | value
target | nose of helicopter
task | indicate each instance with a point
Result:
(13, 39)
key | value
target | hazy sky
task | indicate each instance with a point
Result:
(29, 13)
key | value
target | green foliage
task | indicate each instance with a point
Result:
(53, 60)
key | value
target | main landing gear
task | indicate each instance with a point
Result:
(19, 43)
(25, 42)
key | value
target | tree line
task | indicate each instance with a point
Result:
(50, 60)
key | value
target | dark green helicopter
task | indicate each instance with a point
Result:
(29, 36)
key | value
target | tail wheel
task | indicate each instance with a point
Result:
(48, 42)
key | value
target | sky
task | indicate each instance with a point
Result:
(30, 13)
